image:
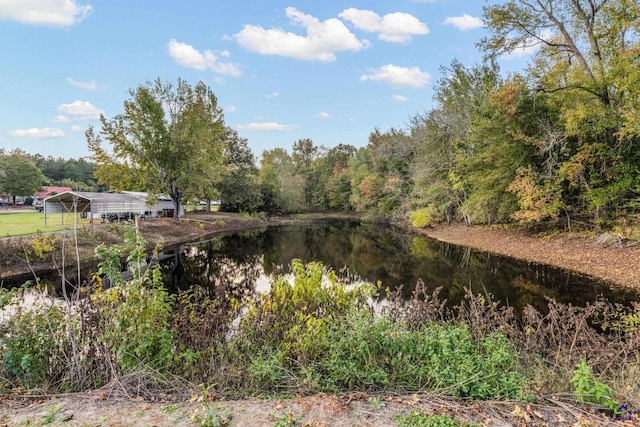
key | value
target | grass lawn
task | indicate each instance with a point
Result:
(29, 222)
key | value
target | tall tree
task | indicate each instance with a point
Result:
(168, 140)
(238, 184)
(587, 64)
(19, 176)
(283, 188)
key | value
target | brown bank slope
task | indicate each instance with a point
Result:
(605, 259)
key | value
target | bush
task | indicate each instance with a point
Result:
(134, 314)
(366, 352)
(423, 217)
(31, 343)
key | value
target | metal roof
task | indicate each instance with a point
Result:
(96, 203)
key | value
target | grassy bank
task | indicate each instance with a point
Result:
(311, 334)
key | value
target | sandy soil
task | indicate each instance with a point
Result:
(604, 257)
(93, 409)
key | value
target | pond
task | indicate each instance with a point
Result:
(238, 264)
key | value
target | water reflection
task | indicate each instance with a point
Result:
(236, 265)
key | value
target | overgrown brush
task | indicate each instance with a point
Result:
(310, 333)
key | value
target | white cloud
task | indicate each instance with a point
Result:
(322, 41)
(395, 27)
(323, 115)
(38, 133)
(62, 13)
(76, 128)
(464, 22)
(266, 126)
(61, 119)
(187, 56)
(531, 46)
(230, 109)
(82, 85)
(399, 98)
(81, 110)
(399, 76)
(272, 95)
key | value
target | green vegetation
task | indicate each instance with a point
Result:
(419, 419)
(309, 333)
(169, 140)
(22, 174)
(554, 146)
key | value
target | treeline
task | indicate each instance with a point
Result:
(556, 144)
(23, 174)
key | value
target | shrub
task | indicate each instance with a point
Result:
(134, 314)
(423, 217)
(31, 343)
(587, 389)
(43, 244)
(365, 352)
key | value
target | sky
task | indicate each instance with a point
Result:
(332, 71)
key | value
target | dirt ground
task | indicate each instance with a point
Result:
(605, 258)
(94, 409)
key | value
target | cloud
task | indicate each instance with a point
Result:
(187, 56)
(396, 27)
(76, 128)
(266, 126)
(230, 109)
(398, 76)
(38, 133)
(464, 22)
(82, 85)
(529, 47)
(61, 119)
(60, 13)
(322, 41)
(81, 110)
(399, 98)
(272, 95)
(323, 115)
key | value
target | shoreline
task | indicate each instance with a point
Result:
(616, 264)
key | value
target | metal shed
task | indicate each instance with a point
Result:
(94, 204)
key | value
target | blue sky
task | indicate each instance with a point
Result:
(326, 70)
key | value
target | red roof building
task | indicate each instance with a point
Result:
(50, 191)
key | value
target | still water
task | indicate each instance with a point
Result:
(238, 264)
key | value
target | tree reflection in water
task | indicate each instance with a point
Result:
(235, 265)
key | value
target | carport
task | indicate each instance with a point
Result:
(94, 203)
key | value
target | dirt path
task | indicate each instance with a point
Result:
(601, 258)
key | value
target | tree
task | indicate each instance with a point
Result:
(238, 184)
(282, 187)
(19, 176)
(444, 136)
(335, 179)
(588, 65)
(168, 140)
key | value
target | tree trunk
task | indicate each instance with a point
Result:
(176, 207)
